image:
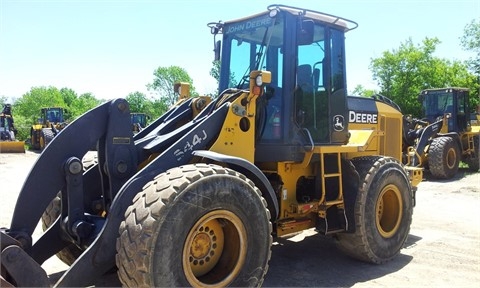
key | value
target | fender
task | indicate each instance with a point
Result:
(251, 171)
(455, 137)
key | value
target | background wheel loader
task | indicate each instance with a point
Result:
(197, 197)
(139, 121)
(50, 123)
(445, 135)
(8, 143)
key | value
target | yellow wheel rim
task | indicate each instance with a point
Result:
(42, 143)
(451, 158)
(389, 210)
(215, 250)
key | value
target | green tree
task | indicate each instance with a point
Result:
(22, 125)
(165, 78)
(402, 73)
(69, 97)
(140, 103)
(470, 41)
(157, 109)
(30, 103)
(215, 73)
(359, 90)
(215, 70)
(3, 101)
(82, 104)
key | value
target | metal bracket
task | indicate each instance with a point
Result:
(24, 271)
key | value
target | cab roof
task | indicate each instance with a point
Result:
(340, 22)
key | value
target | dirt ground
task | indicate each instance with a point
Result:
(443, 248)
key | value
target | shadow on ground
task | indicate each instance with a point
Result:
(462, 172)
(311, 262)
(316, 262)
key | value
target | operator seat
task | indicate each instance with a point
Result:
(304, 78)
(303, 93)
(52, 117)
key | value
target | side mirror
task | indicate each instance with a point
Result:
(216, 50)
(305, 32)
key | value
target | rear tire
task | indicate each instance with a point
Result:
(443, 157)
(383, 211)
(196, 225)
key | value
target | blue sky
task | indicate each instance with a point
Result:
(111, 48)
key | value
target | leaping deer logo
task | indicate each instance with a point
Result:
(338, 123)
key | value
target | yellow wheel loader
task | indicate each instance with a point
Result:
(8, 143)
(49, 124)
(445, 135)
(139, 121)
(198, 196)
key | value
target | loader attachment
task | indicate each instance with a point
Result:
(111, 184)
(424, 135)
(8, 143)
(12, 147)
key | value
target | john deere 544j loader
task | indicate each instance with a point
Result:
(197, 197)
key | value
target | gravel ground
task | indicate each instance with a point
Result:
(443, 248)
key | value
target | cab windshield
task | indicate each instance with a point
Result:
(436, 104)
(252, 43)
(305, 57)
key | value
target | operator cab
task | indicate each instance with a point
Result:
(452, 101)
(52, 115)
(139, 118)
(305, 103)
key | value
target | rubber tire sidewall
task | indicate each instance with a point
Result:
(387, 248)
(366, 243)
(185, 215)
(47, 135)
(437, 157)
(173, 221)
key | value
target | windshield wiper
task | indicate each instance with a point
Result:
(260, 54)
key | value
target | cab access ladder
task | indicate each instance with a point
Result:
(331, 212)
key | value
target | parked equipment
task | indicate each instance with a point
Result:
(139, 121)
(48, 126)
(8, 143)
(196, 197)
(445, 135)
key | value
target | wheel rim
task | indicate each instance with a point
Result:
(451, 158)
(215, 249)
(389, 210)
(42, 142)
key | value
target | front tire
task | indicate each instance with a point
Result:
(196, 225)
(46, 136)
(443, 157)
(383, 211)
